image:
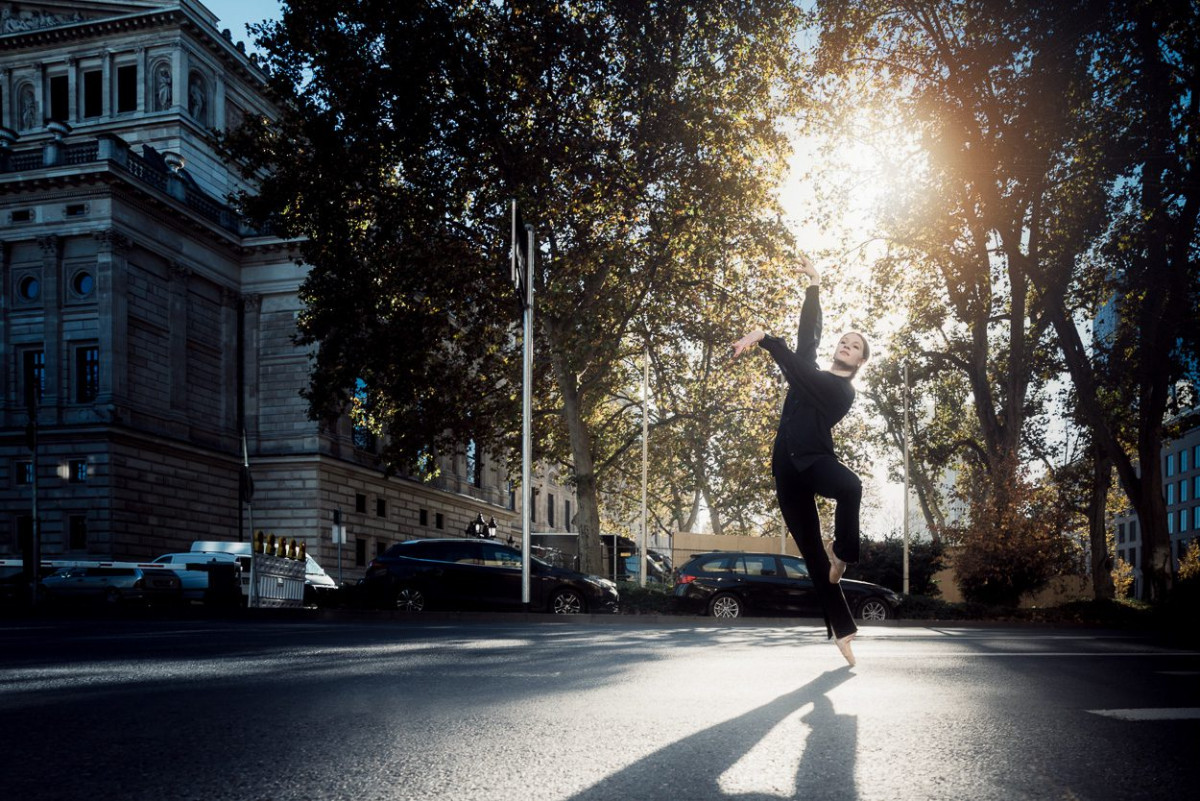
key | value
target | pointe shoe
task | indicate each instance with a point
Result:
(837, 568)
(843, 645)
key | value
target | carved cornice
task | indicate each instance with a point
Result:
(111, 241)
(49, 245)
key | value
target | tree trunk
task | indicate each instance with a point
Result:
(1102, 581)
(1144, 490)
(590, 556)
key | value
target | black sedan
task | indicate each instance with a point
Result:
(732, 584)
(478, 574)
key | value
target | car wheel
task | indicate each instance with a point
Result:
(567, 602)
(726, 605)
(409, 599)
(874, 609)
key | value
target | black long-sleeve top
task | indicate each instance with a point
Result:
(816, 399)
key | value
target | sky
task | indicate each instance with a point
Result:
(235, 14)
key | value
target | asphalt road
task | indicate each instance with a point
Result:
(504, 708)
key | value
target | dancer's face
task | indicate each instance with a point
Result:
(850, 352)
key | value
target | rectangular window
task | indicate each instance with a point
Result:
(1184, 522)
(360, 503)
(474, 464)
(59, 93)
(77, 533)
(127, 88)
(567, 514)
(424, 517)
(78, 471)
(23, 472)
(1196, 487)
(512, 497)
(1170, 522)
(1132, 530)
(550, 511)
(1121, 533)
(87, 374)
(380, 547)
(1183, 461)
(1196, 457)
(1133, 557)
(1171, 493)
(33, 377)
(360, 552)
(380, 507)
(533, 507)
(439, 521)
(93, 94)
(1184, 486)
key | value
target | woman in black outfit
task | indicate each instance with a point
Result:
(803, 460)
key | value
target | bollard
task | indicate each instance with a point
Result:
(303, 551)
(271, 545)
(259, 546)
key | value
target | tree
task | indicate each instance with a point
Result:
(1058, 140)
(641, 140)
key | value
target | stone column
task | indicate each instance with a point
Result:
(178, 351)
(107, 106)
(229, 358)
(8, 117)
(8, 369)
(143, 78)
(112, 264)
(72, 91)
(251, 322)
(52, 344)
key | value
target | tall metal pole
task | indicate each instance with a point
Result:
(906, 478)
(527, 418)
(645, 468)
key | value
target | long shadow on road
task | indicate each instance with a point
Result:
(697, 765)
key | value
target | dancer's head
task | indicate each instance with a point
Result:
(851, 353)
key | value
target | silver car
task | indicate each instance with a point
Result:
(114, 583)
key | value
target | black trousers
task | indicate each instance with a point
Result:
(797, 491)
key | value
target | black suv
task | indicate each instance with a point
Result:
(731, 584)
(478, 574)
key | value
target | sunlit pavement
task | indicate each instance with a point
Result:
(462, 709)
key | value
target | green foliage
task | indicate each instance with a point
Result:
(1122, 576)
(882, 562)
(642, 141)
(1015, 541)
(1189, 563)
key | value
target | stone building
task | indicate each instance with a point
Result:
(150, 326)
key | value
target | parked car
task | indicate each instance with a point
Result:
(481, 574)
(732, 584)
(195, 573)
(113, 584)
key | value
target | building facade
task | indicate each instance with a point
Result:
(146, 327)
(1181, 491)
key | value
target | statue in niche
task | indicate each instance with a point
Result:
(28, 106)
(196, 97)
(162, 88)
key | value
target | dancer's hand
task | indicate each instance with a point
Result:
(750, 340)
(809, 269)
